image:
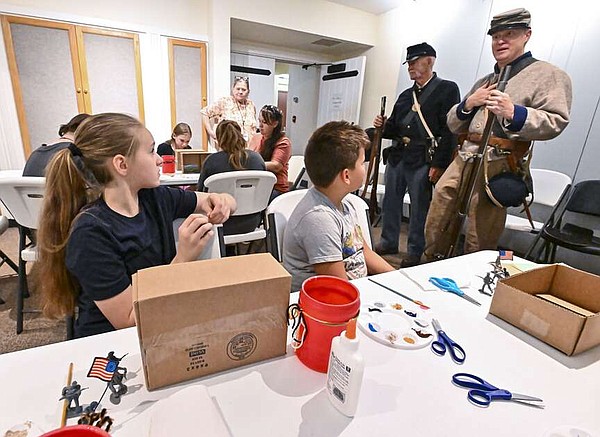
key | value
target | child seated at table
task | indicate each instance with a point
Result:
(105, 217)
(323, 236)
(233, 156)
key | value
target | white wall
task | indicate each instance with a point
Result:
(565, 36)
(312, 16)
(154, 20)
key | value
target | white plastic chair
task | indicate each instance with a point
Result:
(23, 198)
(214, 249)
(278, 213)
(295, 166)
(251, 190)
(548, 188)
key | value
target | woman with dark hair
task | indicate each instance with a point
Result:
(40, 157)
(233, 156)
(274, 147)
(106, 217)
(237, 107)
(180, 139)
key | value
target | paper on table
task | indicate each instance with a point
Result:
(189, 412)
(421, 274)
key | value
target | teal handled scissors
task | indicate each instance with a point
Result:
(482, 393)
(449, 285)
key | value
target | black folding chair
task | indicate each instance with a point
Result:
(569, 224)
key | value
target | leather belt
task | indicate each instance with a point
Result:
(517, 148)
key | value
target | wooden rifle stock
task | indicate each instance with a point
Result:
(447, 244)
(373, 169)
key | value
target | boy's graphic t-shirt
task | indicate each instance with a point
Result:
(318, 232)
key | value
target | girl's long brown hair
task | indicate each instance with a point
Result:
(75, 177)
(231, 141)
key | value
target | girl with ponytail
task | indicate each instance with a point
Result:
(105, 216)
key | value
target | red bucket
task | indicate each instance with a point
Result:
(327, 304)
(77, 431)
(168, 165)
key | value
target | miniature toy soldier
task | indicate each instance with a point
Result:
(71, 394)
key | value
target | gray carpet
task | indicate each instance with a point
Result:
(37, 330)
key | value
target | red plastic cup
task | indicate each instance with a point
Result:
(168, 165)
(327, 304)
(77, 431)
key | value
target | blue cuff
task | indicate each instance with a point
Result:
(518, 120)
(463, 115)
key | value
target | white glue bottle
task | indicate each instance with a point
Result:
(345, 371)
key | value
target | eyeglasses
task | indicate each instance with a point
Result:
(243, 78)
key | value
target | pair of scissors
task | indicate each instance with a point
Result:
(443, 343)
(482, 393)
(450, 285)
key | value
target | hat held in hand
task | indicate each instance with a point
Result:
(515, 18)
(419, 50)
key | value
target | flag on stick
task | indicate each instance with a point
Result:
(102, 368)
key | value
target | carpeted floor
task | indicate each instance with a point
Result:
(39, 330)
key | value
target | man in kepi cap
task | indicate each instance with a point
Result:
(422, 149)
(535, 105)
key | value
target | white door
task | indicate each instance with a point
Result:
(340, 91)
(302, 101)
(261, 74)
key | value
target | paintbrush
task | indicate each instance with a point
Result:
(417, 302)
(63, 419)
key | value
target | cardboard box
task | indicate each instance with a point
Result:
(202, 317)
(570, 322)
(190, 160)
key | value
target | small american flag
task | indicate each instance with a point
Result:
(506, 254)
(102, 368)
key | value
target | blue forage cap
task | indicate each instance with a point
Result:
(419, 50)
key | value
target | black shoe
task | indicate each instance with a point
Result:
(386, 251)
(410, 261)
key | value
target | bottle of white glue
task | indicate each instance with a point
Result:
(345, 371)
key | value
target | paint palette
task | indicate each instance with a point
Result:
(395, 325)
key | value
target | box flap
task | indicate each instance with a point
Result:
(578, 287)
(590, 336)
(533, 281)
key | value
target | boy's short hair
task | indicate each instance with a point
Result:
(332, 148)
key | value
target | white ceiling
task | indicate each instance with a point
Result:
(248, 31)
(373, 6)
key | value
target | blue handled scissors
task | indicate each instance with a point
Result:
(482, 393)
(449, 285)
(444, 343)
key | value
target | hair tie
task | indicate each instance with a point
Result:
(75, 151)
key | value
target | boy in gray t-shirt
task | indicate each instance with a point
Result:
(323, 236)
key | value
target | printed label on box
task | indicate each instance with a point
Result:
(197, 355)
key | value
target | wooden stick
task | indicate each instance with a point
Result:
(63, 419)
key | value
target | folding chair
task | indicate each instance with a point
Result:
(4, 258)
(569, 223)
(251, 190)
(214, 249)
(297, 173)
(23, 197)
(278, 213)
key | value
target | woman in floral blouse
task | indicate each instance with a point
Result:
(237, 107)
